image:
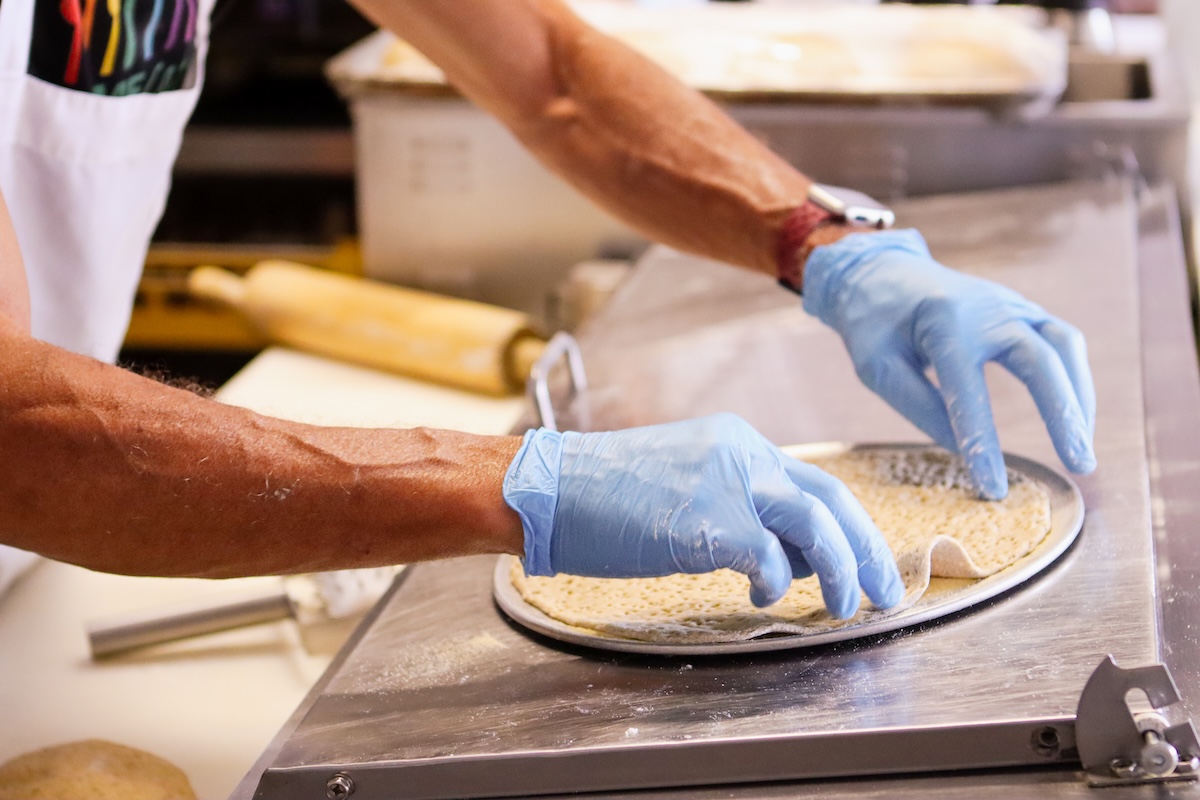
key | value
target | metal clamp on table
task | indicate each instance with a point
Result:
(1119, 746)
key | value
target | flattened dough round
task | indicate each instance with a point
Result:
(922, 500)
(92, 770)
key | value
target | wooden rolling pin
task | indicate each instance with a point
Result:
(461, 343)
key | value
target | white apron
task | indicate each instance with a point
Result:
(94, 95)
(86, 175)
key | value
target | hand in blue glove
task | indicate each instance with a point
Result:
(901, 313)
(693, 497)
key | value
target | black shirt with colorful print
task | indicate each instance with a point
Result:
(115, 47)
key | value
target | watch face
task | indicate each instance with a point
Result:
(875, 217)
(853, 206)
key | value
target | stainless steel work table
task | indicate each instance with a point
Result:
(439, 696)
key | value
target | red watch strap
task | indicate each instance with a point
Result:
(798, 226)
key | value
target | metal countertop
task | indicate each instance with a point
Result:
(437, 673)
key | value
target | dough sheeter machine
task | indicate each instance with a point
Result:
(439, 695)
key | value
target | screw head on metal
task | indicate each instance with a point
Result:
(1123, 767)
(1158, 756)
(339, 787)
(1046, 741)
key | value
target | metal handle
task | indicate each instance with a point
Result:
(143, 628)
(537, 387)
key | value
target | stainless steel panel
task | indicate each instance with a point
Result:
(441, 683)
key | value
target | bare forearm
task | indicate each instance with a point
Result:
(118, 473)
(633, 138)
(661, 155)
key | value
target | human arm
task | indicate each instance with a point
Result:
(671, 163)
(121, 474)
(118, 473)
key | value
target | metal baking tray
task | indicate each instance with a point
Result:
(1066, 519)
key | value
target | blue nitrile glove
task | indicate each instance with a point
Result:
(692, 497)
(901, 313)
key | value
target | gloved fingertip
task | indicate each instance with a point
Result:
(1073, 434)
(763, 596)
(1084, 463)
(883, 584)
(842, 597)
(846, 607)
(1081, 454)
(772, 580)
(990, 478)
(989, 490)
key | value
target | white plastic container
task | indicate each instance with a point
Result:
(449, 201)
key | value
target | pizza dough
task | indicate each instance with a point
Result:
(922, 500)
(92, 770)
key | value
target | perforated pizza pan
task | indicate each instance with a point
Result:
(1066, 520)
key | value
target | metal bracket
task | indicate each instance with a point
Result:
(1120, 746)
(537, 388)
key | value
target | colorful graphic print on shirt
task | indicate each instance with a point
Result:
(115, 47)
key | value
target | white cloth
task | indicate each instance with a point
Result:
(94, 97)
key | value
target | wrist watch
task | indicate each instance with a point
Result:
(823, 204)
(847, 205)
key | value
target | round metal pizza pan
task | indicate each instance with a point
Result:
(1066, 520)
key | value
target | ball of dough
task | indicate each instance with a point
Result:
(92, 770)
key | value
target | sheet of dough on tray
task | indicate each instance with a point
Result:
(922, 500)
(878, 50)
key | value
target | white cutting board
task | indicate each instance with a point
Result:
(307, 388)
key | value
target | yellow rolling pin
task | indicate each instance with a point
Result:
(460, 343)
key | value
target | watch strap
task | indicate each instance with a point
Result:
(791, 250)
